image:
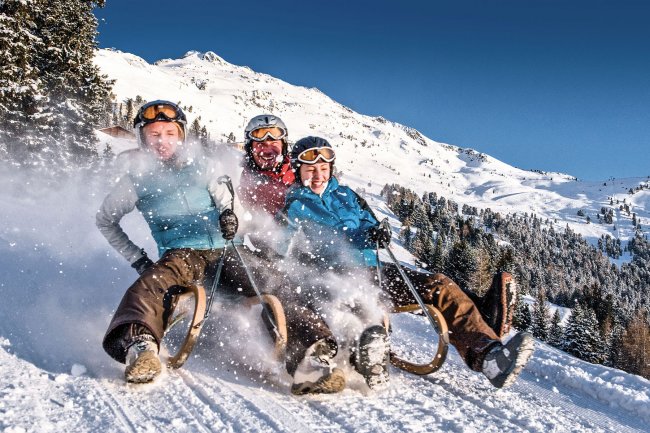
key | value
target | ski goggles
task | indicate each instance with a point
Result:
(164, 112)
(272, 132)
(311, 156)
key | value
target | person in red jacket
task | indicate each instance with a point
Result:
(267, 172)
(266, 177)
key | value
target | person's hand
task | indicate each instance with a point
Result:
(229, 224)
(142, 264)
(381, 233)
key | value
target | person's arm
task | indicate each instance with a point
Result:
(119, 202)
(289, 226)
(366, 218)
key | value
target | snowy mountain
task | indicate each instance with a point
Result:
(374, 151)
(60, 283)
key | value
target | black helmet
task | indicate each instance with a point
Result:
(261, 122)
(159, 111)
(320, 148)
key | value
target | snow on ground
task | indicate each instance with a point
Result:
(61, 282)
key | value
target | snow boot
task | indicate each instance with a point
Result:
(498, 305)
(142, 362)
(316, 373)
(371, 356)
(503, 363)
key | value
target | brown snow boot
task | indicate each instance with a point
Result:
(498, 305)
(142, 362)
(316, 373)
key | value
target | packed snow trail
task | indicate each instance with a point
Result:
(239, 399)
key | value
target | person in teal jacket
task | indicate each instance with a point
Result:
(341, 232)
(191, 217)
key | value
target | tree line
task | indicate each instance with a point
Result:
(470, 245)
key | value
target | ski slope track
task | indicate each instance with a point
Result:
(61, 282)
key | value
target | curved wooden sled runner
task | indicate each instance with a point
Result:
(196, 295)
(443, 344)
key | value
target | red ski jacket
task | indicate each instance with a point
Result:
(266, 190)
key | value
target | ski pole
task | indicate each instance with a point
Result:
(225, 179)
(410, 285)
(265, 307)
(215, 283)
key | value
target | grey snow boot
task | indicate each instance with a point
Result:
(503, 363)
(372, 355)
(316, 373)
(142, 362)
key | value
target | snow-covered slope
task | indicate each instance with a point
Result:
(372, 151)
(61, 281)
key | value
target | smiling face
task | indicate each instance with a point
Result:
(162, 138)
(316, 176)
(267, 154)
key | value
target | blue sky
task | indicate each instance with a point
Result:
(555, 85)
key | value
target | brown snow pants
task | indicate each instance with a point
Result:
(468, 332)
(146, 305)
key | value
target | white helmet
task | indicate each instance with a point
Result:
(261, 122)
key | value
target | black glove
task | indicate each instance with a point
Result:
(229, 224)
(142, 264)
(381, 233)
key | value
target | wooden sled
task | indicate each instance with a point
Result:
(443, 344)
(189, 315)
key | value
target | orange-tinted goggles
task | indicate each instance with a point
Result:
(160, 112)
(274, 132)
(311, 156)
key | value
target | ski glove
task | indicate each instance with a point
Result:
(380, 233)
(142, 264)
(229, 224)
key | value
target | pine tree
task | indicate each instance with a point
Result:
(130, 114)
(75, 88)
(555, 331)
(67, 98)
(540, 326)
(21, 88)
(195, 129)
(438, 262)
(614, 345)
(522, 319)
(462, 265)
(204, 136)
(636, 347)
(582, 337)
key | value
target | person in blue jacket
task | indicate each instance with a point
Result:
(342, 233)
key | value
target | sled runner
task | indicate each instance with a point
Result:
(189, 315)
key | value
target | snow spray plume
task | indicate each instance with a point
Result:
(58, 272)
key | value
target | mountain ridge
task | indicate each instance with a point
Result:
(373, 151)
